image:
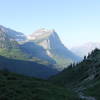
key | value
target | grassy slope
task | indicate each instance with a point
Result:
(13, 53)
(16, 87)
(62, 62)
(19, 55)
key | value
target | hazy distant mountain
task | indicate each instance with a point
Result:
(85, 49)
(51, 42)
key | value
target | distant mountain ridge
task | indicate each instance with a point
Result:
(86, 48)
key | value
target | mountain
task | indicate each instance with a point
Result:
(85, 49)
(18, 87)
(24, 62)
(42, 46)
(27, 58)
(83, 77)
(22, 46)
(18, 36)
(51, 42)
(15, 45)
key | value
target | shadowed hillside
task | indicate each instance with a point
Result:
(17, 87)
(28, 68)
(82, 77)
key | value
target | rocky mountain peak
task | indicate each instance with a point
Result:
(44, 31)
(46, 38)
(50, 41)
(41, 33)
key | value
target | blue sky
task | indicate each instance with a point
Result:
(76, 21)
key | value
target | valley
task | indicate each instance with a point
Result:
(50, 50)
(46, 69)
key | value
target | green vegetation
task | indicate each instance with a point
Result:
(25, 58)
(13, 53)
(78, 72)
(94, 90)
(84, 76)
(17, 53)
(17, 87)
(62, 62)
